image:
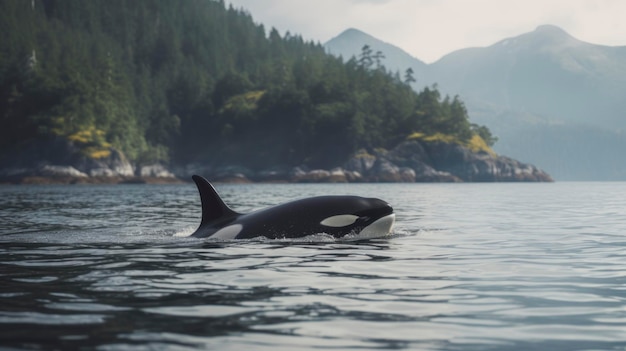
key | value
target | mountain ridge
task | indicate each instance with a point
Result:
(542, 78)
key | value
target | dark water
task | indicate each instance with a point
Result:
(469, 267)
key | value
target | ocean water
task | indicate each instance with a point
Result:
(468, 267)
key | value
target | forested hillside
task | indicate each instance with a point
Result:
(180, 81)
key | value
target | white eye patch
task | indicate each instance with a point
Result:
(339, 221)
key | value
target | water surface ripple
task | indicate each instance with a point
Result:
(469, 267)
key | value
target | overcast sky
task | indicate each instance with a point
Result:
(429, 29)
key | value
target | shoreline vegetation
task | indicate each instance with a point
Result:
(114, 91)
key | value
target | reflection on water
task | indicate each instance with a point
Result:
(470, 267)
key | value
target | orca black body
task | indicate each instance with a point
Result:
(362, 218)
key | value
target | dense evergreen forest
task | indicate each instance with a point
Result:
(195, 80)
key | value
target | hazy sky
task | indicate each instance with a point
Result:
(429, 29)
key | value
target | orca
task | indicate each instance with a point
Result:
(358, 217)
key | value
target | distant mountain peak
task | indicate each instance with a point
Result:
(550, 29)
(350, 42)
(353, 31)
(553, 33)
(354, 34)
(547, 36)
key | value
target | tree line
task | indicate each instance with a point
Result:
(196, 80)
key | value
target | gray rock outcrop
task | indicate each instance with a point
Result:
(418, 161)
(60, 158)
(410, 161)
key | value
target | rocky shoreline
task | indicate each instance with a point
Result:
(58, 161)
(409, 162)
(67, 180)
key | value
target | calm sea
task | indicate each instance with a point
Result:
(469, 267)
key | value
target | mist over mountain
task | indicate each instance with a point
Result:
(552, 99)
(546, 72)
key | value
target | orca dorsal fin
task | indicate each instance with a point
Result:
(212, 205)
